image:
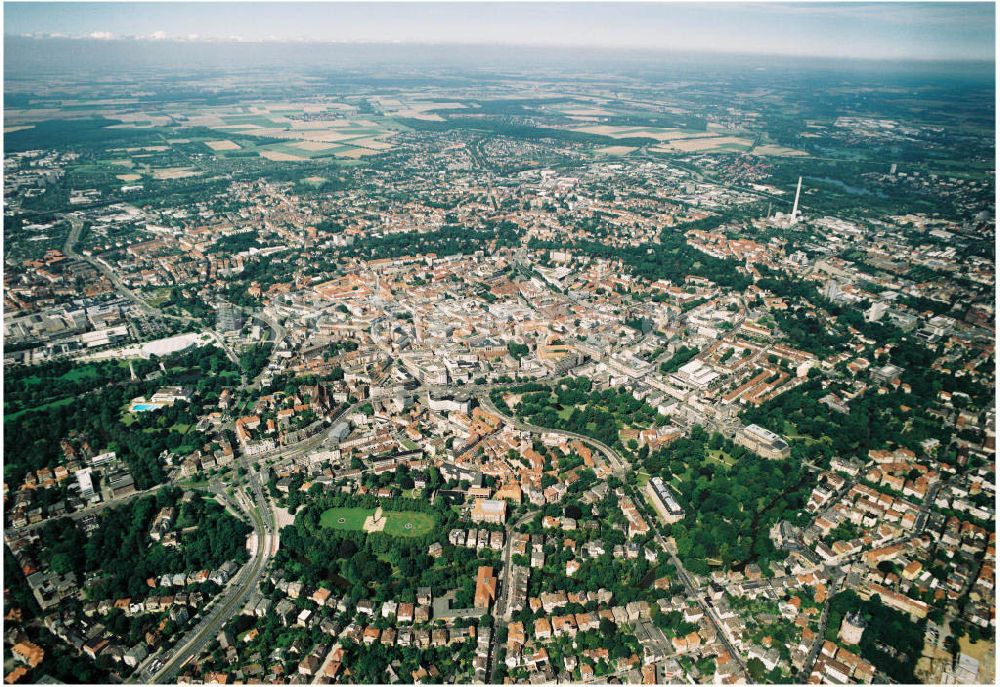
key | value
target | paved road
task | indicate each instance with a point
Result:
(618, 464)
(224, 607)
(278, 334)
(69, 249)
(232, 598)
(810, 661)
(694, 591)
(83, 512)
(500, 608)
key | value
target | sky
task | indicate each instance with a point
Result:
(865, 30)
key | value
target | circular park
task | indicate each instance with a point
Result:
(394, 523)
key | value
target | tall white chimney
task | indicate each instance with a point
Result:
(795, 207)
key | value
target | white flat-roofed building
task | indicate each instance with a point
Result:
(102, 459)
(695, 375)
(663, 501)
(763, 442)
(171, 394)
(86, 482)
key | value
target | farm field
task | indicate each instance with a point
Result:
(418, 110)
(615, 150)
(656, 133)
(307, 130)
(704, 144)
(222, 145)
(780, 151)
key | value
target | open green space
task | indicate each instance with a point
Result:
(730, 496)
(398, 523)
(565, 412)
(157, 297)
(74, 374)
(408, 524)
(47, 406)
(345, 518)
(573, 405)
(721, 457)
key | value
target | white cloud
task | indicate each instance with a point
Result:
(100, 35)
(158, 35)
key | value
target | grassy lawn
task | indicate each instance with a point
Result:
(74, 374)
(792, 433)
(158, 297)
(193, 483)
(398, 524)
(408, 524)
(52, 404)
(721, 457)
(345, 518)
(642, 478)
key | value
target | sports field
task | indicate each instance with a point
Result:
(398, 524)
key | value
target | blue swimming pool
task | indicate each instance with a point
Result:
(143, 407)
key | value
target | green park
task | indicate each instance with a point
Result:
(398, 523)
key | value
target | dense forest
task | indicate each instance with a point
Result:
(873, 421)
(892, 642)
(448, 240)
(573, 405)
(672, 258)
(123, 554)
(730, 497)
(376, 565)
(95, 407)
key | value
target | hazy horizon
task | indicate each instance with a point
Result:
(844, 31)
(457, 64)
